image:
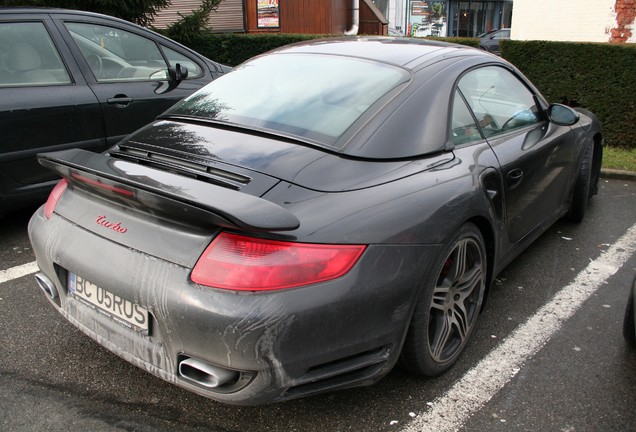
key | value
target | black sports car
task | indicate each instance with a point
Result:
(308, 220)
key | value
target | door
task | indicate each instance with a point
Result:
(535, 156)
(127, 70)
(45, 105)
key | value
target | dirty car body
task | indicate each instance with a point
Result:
(304, 222)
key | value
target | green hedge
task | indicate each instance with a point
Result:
(472, 42)
(599, 77)
(232, 49)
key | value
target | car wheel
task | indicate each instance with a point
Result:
(449, 305)
(629, 325)
(582, 188)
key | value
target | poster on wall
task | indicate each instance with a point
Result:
(427, 18)
(268, 13)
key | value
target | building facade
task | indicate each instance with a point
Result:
(228, 17)
(447, 18)
(575, 20)
(282, 16)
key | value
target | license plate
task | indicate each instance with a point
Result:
(121, 310)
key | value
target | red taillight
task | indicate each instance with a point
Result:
(54, 197)
(244, 263)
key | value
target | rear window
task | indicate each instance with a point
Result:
(317, 97)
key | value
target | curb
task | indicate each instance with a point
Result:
(618, 174)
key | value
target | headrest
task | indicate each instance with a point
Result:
(23, 57)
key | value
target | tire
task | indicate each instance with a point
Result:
(596, 170)
(581, 191)
(629, 325)
(448, 307)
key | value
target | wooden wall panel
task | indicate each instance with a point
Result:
(227, 18)
(319, 17)
(372, 21)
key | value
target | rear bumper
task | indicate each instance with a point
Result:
(279, 345)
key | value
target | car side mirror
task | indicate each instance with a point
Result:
(562, 115)
(176, 74)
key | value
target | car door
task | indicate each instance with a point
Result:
(126, 67)
(45, 105)
(535, 156)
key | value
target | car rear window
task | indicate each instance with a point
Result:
(317, 97)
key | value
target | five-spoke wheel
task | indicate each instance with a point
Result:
(449, 305)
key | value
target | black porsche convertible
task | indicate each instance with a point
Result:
(313, 218)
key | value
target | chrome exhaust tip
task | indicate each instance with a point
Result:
(205, 374)
(47, 285)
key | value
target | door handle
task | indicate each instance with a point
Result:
(120, 101)
(515, 177)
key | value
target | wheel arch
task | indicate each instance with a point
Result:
(488, 234)
(597, 161)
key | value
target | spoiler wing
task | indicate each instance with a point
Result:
(167, 192)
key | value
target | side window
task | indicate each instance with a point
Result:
(114, 54)
(503, 34)
(463, 127)
(28, 56)
(194, 70)
(499, 100)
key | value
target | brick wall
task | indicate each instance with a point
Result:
(625, 14)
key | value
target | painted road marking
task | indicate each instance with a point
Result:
(18, 271)
(482, 382)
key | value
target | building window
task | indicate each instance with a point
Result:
(473, 18)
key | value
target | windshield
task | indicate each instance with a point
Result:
(317, 97)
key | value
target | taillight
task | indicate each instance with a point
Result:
(237, 262)
(54, 197)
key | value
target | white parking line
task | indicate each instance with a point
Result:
(482, 382)
(18, 271)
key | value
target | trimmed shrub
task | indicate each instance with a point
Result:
(471, 42)
(232, 49)
(599, 77)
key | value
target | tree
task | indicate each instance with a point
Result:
(138, 11)
(193, 25)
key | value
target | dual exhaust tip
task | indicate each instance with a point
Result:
(206, 374)
(48, 287)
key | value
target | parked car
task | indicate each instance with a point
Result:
(490, 41)
(79, 79)
(304, 222)
(629, 323)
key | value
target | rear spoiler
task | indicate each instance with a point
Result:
(166, 192)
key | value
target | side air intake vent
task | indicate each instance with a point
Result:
(181, 165)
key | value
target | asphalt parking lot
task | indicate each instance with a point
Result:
(548, 354)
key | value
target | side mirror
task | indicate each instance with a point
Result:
(176, 74)
(562, 115)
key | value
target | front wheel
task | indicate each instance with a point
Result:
(447, 310)
(581, 192)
